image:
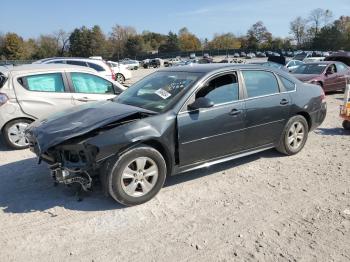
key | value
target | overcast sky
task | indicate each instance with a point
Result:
(30, 18)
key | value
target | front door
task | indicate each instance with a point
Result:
(209, 133)
(331, 78)
(88, 87)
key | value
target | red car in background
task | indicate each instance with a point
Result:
(331, 75)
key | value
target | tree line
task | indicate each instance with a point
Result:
(318, 31)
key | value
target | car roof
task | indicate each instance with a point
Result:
(72, 58)
(48, 67)
(207, 68)
(322, 62)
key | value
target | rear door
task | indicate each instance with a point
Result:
(267, 108)
(88, 87)
(41, 94)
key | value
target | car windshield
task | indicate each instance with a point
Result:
(300, 57)
(310, 69)
(158, 91)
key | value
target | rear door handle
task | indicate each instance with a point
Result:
(235, 112)
(284, 102)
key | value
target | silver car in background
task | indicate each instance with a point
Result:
(31, 92)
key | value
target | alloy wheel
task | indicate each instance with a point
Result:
(139, 177)
(296, 134)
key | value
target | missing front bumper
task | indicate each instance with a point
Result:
(66, 176)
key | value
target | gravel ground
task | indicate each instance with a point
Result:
(265, 207)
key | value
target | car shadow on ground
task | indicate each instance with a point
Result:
(337, 131)
(3, 148)
(27, 187)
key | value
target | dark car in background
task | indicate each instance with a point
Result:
(176, 120)
(330, 75)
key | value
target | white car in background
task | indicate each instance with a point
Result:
(102, 68)
(130, 64)
(31, 92)
(121, 71)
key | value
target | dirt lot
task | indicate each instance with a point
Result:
(264, 207)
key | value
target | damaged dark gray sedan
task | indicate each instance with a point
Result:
(176, 120)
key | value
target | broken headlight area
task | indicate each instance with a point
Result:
(73, 164)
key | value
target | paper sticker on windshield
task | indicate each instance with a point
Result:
(162, 93)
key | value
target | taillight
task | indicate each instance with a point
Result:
(113, 75)
(3, 99)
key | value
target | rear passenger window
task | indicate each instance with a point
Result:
(96, 67)
(78, 63)
(45, 83)
(288, 85)
(260, 83)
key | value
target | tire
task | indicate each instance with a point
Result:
(14, 130)
(127, 182)
(120, 78)
(346, 124)
(292, 139)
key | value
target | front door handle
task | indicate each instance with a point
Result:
(284, 102)
(83, 99)
(235, 112)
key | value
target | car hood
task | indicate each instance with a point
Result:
(78, 121)
(305, 77)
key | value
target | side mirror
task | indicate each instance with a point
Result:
(201, 102)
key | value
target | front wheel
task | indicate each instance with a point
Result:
(346, 124)
(137, 176)
(294, 136)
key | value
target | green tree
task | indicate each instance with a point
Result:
(87, 42)
(47, 46)
(80, 42)
(225, 41)
(134, 46)
(13, 47)
(171, 44)
(188, 41)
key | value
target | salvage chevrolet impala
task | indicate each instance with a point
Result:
(176, 120)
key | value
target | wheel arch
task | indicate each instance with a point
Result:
(17, 118)
(307, 116)
(162, 150)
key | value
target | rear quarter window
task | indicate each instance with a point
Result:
(288, 84)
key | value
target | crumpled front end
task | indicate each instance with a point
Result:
(69, 163)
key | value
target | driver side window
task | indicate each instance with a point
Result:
(222, 89)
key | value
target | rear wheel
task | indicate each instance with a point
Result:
(346, 124)
(137, 176)
(120, 78)
(294, 136)
(13, 133)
